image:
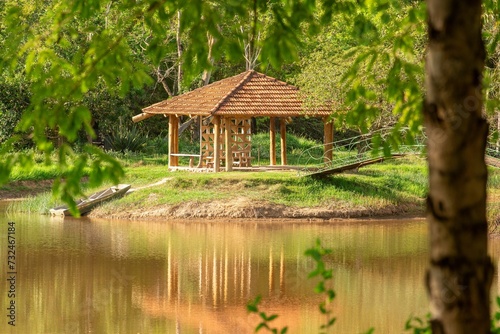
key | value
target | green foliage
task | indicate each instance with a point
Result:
(295, 145)
(372, 190)
(317, 253)
(14, 98)
(253, 307)
(159, 145)
(368, 66)
(61, 67)
(418, 325)
(124, 139)
(188, 146)
(414, 325)
(110, 110)
(33, 204)
(495, 322)
(78, 57)
(324, 286)
(308, 128)
(491, 79)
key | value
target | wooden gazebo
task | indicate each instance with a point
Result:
(226, 108)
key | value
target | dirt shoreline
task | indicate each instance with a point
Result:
(245, 208)
(18, 190)
(239, 208)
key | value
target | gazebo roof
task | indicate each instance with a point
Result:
(247, 94)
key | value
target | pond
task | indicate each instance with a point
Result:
(103, 276)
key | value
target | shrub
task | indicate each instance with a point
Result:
(294, 145)
(132, 140)
(158, 145)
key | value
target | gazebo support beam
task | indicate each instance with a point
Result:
(283, 141)
(272, 141)
(141, 117)
(216, 121)
(328, 130)
(228, 144)
(173, 140)
(176, 139)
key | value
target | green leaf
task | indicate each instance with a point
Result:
(385, 18)
(314, 253)
(314, 273)
(260, 326)
(272, 317)
(331, 295)
(320, 287)
(252, 306)
(327, 274)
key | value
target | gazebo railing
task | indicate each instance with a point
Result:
(353, 151)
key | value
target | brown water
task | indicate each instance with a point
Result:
(98, 276)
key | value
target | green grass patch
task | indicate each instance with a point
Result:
(390, 183)
(37, 172)
(39, 204)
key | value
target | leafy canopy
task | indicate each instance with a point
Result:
(65, 49)
(367, 59)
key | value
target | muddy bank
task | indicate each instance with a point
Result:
(242, 207)
(23, 189)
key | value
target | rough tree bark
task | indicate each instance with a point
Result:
(180, 73)
(460, 272)
(205, 77)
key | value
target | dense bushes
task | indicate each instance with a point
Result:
(132, 140)
(14, 98)
(294, 145)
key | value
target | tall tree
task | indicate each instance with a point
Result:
(59, 78)
(367, 64)
(460, 273)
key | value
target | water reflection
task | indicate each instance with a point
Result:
(82, 276)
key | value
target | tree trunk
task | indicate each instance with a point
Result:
(179, 53)
(208, 72)
(460, 272)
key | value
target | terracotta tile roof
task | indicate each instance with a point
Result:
(247, 94)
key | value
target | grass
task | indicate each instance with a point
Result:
(39, 204)
(38, 172)
(391, 183)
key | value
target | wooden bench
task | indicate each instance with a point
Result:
(190, 156)
(241, 159)
(210, 161)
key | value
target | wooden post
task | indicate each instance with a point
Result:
(328, 139)
(170, 140)
(228, 143)
(283, 141)
(272, 141)
(216, 122)
(176, 140)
